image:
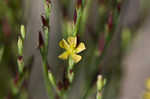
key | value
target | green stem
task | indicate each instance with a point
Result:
(70, 70)
(47, 82)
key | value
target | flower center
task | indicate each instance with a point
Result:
(71, 50)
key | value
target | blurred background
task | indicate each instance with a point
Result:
(116, 34)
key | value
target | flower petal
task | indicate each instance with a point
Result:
(80, 47)
(148, 84)
(63, 56)
(146, 95)
(72, 41)
(63, 44)
(76, 58)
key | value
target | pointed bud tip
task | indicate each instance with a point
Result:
(71, 71)
(110, 21)
(44, 21)
(99, 77)
(41, 41)
(79, 3)
(22, 31)
(48, 1)
(75, 16)
(20, 58)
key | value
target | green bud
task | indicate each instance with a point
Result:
(20, 64)
(99, 83)
(46, 34)
(51, 78)
(71, 76)
(47, 9)
(23, 31)
(20, 46)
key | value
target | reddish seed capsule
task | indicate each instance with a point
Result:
(60, 86)
(65, 83)
(20, 58)
(41, 41)
(119, 7)
(79, 3)
(48, 1)
(75, 16)
(44, 21)
(71, 71)
(110, 21)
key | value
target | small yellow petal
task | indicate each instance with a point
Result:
(80, 47)
(72, 41)
(63, 44)
(148, 84)
(63, 56)
(146, 95)
(76, 58)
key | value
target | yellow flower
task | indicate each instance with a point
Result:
(71, 49)
(148, 84)
(146, 95)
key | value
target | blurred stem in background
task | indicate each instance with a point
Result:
(49, 78)
(98, 39)
(19, 88)
(100, 86)
(43, 46)
(109, 16)
(10, 12)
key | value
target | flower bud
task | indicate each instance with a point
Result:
(22, 31)
(44, 21)
(20, 46)
(79, 3)
(99, 83)
(41, 41)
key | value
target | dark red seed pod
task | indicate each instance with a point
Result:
(79, 3)
(119, 7)
(20, 58)
(60, 85)
(110, 21)
(48, 1)
(66, 83)
(71, 71)
(75, 16)
(41, 41)
(44, 21)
